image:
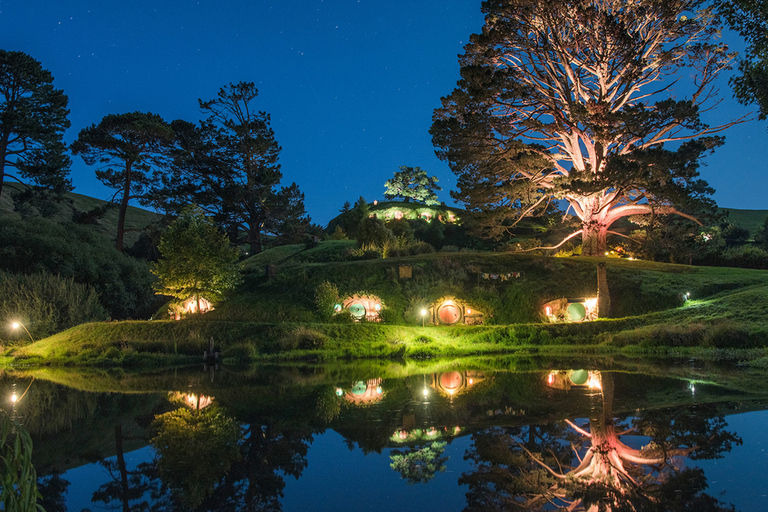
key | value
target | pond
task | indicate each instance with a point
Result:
(497, 434)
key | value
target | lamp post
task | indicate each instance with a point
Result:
(16, 325)
(423, 316)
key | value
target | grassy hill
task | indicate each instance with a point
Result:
(747, 219)
(273, 316)
(78, 204)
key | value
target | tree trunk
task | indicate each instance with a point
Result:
(123, 207)
(603, 295)
(593, 238)
(3, 149)
(121, 467)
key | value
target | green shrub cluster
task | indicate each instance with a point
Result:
(124, 284)
(45, 304)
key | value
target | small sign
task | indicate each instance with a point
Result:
(406, 272)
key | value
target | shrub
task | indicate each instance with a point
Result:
(302, 338)
(78, 252)
(46, 304)
(326, 298)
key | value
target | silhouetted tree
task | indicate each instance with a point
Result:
(33, 117)
(132, 151)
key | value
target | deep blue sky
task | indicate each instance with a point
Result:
(350, 84)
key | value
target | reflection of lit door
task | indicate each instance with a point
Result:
(451, 381)
(449, 314)
(357, 310)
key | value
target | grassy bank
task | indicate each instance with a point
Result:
(273, 318)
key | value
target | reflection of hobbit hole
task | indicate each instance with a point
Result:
(450, 311)
(571, 310)
(363, 307)
(363, 392)
(566, 379)
(455, 382)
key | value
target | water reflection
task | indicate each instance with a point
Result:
(588, 466)
(581, 439)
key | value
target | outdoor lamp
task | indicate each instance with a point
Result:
(15, 325)
(423, 316)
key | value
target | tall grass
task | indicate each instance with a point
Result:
(45, 304)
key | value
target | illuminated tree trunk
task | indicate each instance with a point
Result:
(593, 238)
(603, 296)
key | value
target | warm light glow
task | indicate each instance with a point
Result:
(15, 325)
(423, 312)
(594, 382)
(590, 303)
(471, 381)
(426, 392)
(14, 398)
(339, 391)
(551, 378)
(469, 311)
(548, 310)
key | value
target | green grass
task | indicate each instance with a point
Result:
(747, 219)
(136, 219)
(274, 319)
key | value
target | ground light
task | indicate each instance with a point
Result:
(423, 316)
(16, 325)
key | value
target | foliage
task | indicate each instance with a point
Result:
(750, 19)
(46, 304)
(132, 152)
(412, 183)
(373, 232)
(350, 218)
(197, 260)
(195, 449)
(761, 235)
(556, 101)
(326, 298)
(229, 166)
(419, 466)
(78, 252)
(18, 479)
(33, 118)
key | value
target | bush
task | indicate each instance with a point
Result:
(326, 298)
(301, 338)
(47, 304)
(123, 283)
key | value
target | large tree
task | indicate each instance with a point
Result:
(573, 101)
(412, 183)
(243, 187)
(197, 260)
(132, 151)
(750, 19)
(33, 117)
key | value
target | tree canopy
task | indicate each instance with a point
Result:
(750, 19)
(412, 183)
(33, 117)
(571, 101)
(132, 151)
(231, 161)
(197, 260)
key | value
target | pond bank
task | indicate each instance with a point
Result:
(168, 343)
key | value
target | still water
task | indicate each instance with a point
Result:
(487, 435)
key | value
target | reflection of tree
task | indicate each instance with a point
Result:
(254, 481)
(597, 470)
(53, 490)
(195, 449)
(419, 466)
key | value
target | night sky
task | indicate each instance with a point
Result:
(350, 84)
